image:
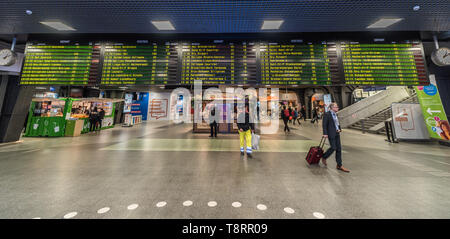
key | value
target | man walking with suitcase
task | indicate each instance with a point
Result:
(332, 130)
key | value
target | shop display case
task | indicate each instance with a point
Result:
(50, 117)
(46, 117)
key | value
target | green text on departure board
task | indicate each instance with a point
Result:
(383, 64)
(135, 65)
(58, 65)
(295, 64)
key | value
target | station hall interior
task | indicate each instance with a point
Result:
(129, 109)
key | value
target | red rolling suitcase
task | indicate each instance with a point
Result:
(315, 153)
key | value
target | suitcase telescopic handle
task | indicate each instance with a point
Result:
(322, 142)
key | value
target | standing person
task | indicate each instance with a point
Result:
(212, 122)
(285, 116)
(303, 112)
(246, 127)
(101, 115)
(93, 119)
(332, 130)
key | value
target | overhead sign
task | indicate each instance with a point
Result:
(433, 111)
(284, 61)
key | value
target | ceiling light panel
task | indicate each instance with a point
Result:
(58, 26)
(272, 24)
(384, 22)
(163, 25)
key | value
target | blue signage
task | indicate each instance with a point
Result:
(140, 107)
(430, 90)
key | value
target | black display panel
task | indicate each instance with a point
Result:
(139, 64)
(297, 63)
(383, 63)
(58, 64)
(218, 63)
(249, 60)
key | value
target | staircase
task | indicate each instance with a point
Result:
(375, 123)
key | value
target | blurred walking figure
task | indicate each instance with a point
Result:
(315, 115)
(285, 116)
(303, 113)
(297, 117)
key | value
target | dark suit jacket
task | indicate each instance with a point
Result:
(329, 128)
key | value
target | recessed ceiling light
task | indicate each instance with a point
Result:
(416, 8)
(28, 12)
(58, 26)
(384, 22)
(163, 25)
(272, 24)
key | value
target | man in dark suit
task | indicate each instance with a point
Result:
(212, 122)
(332, 130)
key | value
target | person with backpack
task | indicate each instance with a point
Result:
(285, 116)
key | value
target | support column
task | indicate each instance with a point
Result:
(15, 103)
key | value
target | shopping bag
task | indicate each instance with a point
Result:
(255, 141)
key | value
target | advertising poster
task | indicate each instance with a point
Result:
(408, 121)
(128, 102)
(433, 111)
(327, 101)
(159, 106)
(140, 106)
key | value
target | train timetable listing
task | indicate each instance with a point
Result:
(57, 65)
(139, 64)
(218, 63)
(383, 64)
(210, 63)
(295, 64)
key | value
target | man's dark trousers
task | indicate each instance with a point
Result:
(335, 143)
(213, 126)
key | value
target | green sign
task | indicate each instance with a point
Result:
(433, 111)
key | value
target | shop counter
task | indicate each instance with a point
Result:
(74, 127)
(46, 126)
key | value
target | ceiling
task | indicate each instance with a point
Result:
(218, 16)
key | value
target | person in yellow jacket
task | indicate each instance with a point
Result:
(246, 127)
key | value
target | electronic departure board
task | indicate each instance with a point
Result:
(383, 64)
(228, 61)
(139, 64)
(296, 64)
(218, 63)
(57, 65)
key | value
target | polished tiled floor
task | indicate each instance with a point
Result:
(158, 162)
